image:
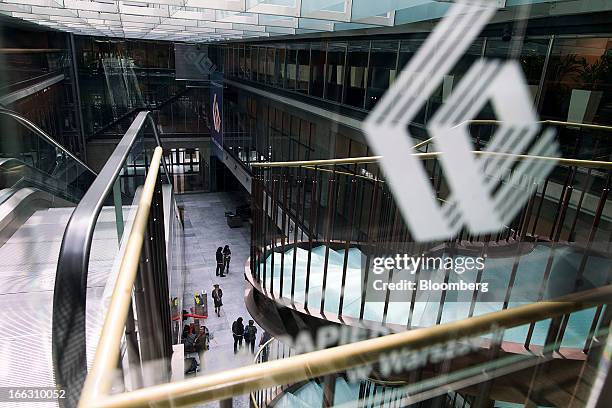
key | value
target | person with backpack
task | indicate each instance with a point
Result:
(217, 295)
(250, 334)
(219, 259)
(238, 332)
(227, 256)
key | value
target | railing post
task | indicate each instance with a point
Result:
(134, 370)
(329, 390)
(226, 403)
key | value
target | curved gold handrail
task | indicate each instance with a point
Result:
(98, 381)
(226, 384)
(431, 155)
(373, 380)
(373, 159)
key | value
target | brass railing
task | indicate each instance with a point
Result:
(98, 382)
(226, 384)
(243, 380)
(432, 155)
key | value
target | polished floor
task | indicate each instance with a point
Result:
(205, 230)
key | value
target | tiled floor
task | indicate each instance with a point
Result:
(205, 230)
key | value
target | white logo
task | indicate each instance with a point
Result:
(216, 115)
(487, 190)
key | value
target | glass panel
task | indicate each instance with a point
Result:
(248, 62)
(303, 68)
(281, 58)
(254, 63)
(335, 66)
(261, 74)
(577, 81)
(270, 66)
(357, 63)
(532, 56)
(381, 73)
(242, 71)
(28, 160)
(291, 68)
(317, 69)
(577, 89)
(451, 80)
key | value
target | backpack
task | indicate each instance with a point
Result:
(250, 332)
(190, 342)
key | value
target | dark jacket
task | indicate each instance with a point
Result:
(250, 333)
(219, 257)
(237, 328)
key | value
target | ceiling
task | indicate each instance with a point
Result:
(210, 20)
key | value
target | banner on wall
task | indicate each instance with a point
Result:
(216, 106)
(192, 62)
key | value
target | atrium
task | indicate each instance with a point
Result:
(306, 203)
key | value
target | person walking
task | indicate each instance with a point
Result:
(238, 332)
(217, 295)
(219, 258)
(227, 256)
(250, 334)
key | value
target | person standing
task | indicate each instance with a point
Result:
(219, 259)
(250, 334)
(227, 256)
(217, 295)
(238, 332)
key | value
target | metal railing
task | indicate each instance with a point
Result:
(302, 367)
(269, 351)
(70, 293)
(41, 133)
(229, 383)
(107, 353)
(273, 349)
(314, 203)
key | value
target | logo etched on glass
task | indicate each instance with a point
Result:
(486, 190)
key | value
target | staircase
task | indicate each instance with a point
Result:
(529, 274)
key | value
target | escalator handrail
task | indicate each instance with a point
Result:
(70, 292)
(32, 126)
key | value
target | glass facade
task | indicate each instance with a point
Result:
(117, 77)
(558, 70)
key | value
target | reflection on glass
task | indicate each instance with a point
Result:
(248, 63)
(334, 77)
(270, 65)
(291, 68)
(280, 69)
(577, 85)
(303, 68)
(357, 64)
(531, 58)
(382, 70)
(317, 64)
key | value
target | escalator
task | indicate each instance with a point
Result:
(61, 240)
(40, 185)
